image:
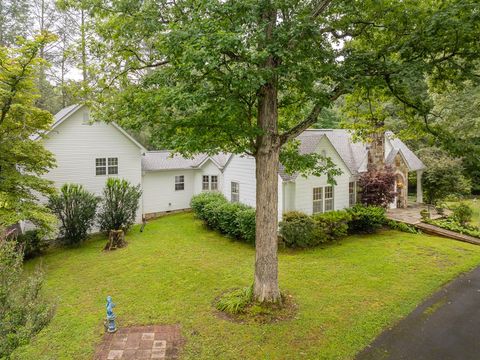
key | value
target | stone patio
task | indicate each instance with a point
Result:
(411, 214)
(141, 342)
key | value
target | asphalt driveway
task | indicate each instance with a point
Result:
(444, 327)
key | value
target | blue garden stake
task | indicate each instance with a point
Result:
(111, 327)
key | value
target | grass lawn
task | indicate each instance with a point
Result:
(346, 292)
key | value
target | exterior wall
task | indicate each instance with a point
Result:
(242, 169)
(159, 194)
(376, 154)
(76, 145)
(303, 192)
(209, 168)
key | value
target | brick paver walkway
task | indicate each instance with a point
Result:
(141, 342)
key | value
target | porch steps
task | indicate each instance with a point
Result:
(435, 230)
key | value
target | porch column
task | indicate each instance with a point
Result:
(419, 187)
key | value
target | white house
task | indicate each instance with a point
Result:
(88, 153)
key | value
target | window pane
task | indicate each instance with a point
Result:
(179, 182)
(235, 192)
(100, 166)
(205, 182)
(351, 193)
(329, 198)
(214, 182)
(317, 200)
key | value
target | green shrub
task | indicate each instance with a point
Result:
(331, 225)
(297, 230)
(199, 201)
(119, 205)
(462, 213)
(32, 243)
(246, 224)
(366, 219)
(211, 214)
(400, 226)
(227, 215)
(235, 301)
(23, 310)
(75, 207)
(425, 214)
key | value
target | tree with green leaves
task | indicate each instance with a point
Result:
(443, 176)
(250, 76)
(23, 159)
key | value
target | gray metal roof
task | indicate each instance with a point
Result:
(352, 153)
(166, 160)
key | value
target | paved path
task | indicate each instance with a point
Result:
(160, 342)
(444, 327)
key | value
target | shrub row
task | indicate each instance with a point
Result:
(453, 225)
(300, 230)
(232, 219)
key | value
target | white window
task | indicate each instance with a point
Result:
(100, 166)
(328, 198)
(317, 200)
(112, 166)
(214, 182)
(235, 192)
(352, 193)
(179, 182)
(205, 182)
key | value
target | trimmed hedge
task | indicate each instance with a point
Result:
(232, 219)
(366, 219)
(300, 230)
(297, 230)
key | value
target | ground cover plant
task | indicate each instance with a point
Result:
(171, 272)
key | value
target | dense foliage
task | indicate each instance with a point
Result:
(297, 230)
(119, 205)
(366, 219)
(377, 187)
(235, 220)
(23, 310)
(443, 176)
(32, 243)
(23, 158)
(462, 213)
(75, 207)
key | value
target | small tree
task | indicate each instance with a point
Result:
(377, 187)
(443, 176)
(119, 205)
(23, 311)
(75, 207)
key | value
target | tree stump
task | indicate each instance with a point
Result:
(116, 240)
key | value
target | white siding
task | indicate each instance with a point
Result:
(76, 145)
(209, 168)
(160, 194)
(242, 169)
(303, 191)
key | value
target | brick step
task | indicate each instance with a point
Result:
(435, 230)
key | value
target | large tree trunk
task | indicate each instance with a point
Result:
(268, 149)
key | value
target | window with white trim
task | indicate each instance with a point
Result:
(328, 198)
(113, 166)
(179, 182)
(317, 200)
(235, 192)
(100, 166)
(352, 194)
(214, 182)
(205, 182)
(106, 166)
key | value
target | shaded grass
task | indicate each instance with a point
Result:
(346, 293)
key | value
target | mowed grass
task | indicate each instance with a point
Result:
(171, 273)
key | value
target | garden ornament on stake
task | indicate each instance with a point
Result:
(110, 323)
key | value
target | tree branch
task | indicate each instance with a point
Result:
(310, 119)
(322, 6)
